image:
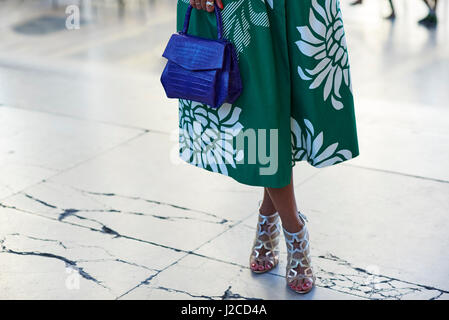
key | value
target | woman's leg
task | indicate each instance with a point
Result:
(392, 15)
(431, 19)
(433, 12)
(267, 207)
(286, 207)
(433, 8)
(283, 199)
(393, 12)
(427, 4)
(265, 252)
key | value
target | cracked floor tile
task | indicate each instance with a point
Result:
(121, 223)
(333, 273)
(444, 296)
(72, 251)
(389, 223)
(35, 277)
(203, 278)
(155, 172)
(121, 216)
(400, 124)
(162, 293)
(36, 145)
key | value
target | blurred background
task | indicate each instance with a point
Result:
(93, 203)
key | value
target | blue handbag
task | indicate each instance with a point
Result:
(201, 70)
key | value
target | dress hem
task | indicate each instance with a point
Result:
(246, 182)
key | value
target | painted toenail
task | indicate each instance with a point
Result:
(306, 285)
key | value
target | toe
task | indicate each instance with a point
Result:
(307, 284)
(296, 285)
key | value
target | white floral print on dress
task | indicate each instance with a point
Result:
(307, 145)
(237, 26)
(270, 2)
(206, 135)
(324, 40)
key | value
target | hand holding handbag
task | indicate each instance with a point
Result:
(201, 70)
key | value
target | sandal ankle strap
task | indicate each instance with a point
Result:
(270, 216)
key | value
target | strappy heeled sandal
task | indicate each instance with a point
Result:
(299, 257)
(267, 237)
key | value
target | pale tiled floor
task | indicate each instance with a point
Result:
(93, 203)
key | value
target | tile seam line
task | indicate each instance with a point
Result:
(76, 165)
(187, 254)
(397, 173)
(63, 115)
(427, 287)
(307, 179)
(117, 37)
(192, 252)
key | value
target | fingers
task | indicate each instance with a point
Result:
(210, 5)
(207, 5)
(196, 4)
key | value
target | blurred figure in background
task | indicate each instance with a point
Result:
(392, 14)
(431, 19)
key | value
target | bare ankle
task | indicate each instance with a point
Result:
(267, 208)
(267, 211)
(293, 226)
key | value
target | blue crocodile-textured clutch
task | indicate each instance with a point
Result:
(201, 70)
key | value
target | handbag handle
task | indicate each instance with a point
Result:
(217, 14)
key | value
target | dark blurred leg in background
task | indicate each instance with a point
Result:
(356, 2)
(393, 12)
(121, 8)
(431, 19)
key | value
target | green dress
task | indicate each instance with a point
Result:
(297, 102)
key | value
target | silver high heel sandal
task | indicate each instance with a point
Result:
(267, 237)
(299, 257)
